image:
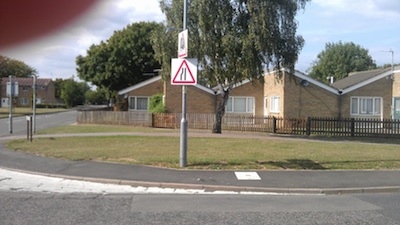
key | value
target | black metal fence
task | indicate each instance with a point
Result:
(344, 127)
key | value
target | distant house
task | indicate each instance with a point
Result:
(367, 94)
(45, 92)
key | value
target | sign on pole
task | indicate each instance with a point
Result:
(184, 71)
(12, 89)
(183, 44)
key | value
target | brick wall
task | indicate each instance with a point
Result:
(299, 101)
(156, 87)
(197, 100)
(274, 87)
(309, 100)
(251, 89)
(47, 94)
(396, 85)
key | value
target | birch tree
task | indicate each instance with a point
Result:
(235, 40)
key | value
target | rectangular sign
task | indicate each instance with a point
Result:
(12, 89)
(184, 71)
(183, 44)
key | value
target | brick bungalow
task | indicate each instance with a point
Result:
(200, 99)
(367, 94)
(370, 94)
(45, 92)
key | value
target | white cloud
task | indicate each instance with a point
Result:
(370, 23)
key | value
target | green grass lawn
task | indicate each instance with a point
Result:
(4, 112)
(215, 153)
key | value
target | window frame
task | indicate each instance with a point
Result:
(24, 101)
(135, 105)
(275, 104)
(249, 106)
(366, 106)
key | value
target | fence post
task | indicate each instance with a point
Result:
(29, 128)
(274, 124)
(308, 128)
(352, 126)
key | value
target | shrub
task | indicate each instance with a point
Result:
(156, 104)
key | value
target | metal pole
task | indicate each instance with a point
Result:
(184, 128)
(10, 128)
(34, 105)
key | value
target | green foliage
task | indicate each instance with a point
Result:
(156, 104)
(15, 67)
(340, 59)
(58, 83)
(73, 93)
(97, 97)
(120, 61)
(234, 40)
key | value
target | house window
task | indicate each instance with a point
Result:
(138, 103)
(24, 101)
(240, 105)
(366, 105)
(25, 88)
(275, 104)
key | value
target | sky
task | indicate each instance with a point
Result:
(372, 24)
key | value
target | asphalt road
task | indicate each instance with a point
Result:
(42, 208)
(19, 125)
(74, 202)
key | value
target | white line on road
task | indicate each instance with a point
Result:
(23, 182)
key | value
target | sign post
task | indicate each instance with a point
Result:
(183, 72)
(184, 125)
(12, 90)
(183, 44)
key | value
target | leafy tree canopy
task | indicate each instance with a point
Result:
(120, 61)
(235, 40)
(97, 97)
(340, 59)
(73, 93)
(15, 67)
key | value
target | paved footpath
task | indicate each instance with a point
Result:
(271, 181)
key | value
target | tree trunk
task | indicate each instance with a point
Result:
(217, 127)
(220, 112)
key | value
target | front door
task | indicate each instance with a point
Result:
(396, 108)
(4, 102)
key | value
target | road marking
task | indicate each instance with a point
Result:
(247, 176)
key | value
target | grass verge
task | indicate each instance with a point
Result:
(219, 153)
(4, 112)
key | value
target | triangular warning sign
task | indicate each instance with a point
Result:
(184, 74)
